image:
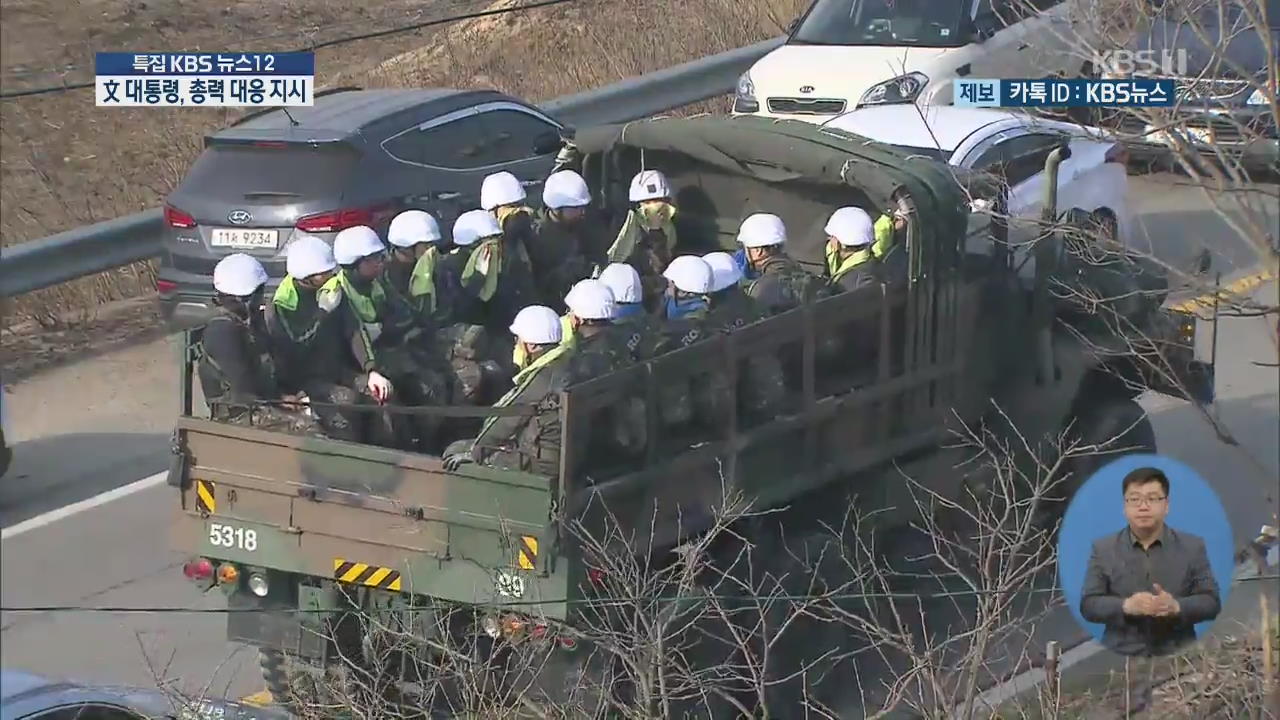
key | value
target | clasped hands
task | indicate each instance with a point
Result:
(1157, 604)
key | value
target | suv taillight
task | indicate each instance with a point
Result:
(335, 220)
(173, 217)
(1118, 153)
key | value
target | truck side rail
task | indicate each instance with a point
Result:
(871, 375)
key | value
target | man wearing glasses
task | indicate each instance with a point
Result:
(1148, 584)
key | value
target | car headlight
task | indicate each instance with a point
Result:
(1257, 98)
(902, 89)
(744, 96)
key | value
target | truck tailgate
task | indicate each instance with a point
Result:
(361, 514)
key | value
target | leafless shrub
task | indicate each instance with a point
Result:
(759, 616)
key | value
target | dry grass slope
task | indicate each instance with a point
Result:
(65, 163)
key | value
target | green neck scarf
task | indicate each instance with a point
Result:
(422, 283)
(838, 267)
(366, 306)
(633, 228)
(490, 251)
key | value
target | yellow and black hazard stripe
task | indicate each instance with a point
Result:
(368, 575)
(206, 500)
(527, 552)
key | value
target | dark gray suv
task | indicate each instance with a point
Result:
(357, 157)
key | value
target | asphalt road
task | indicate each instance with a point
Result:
(86, 429)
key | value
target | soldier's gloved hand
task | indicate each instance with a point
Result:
(569, 155)
(457, 460)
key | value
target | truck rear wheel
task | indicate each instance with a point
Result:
(292, 687)
(1118, 427)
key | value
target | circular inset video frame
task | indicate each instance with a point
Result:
(1145, 555)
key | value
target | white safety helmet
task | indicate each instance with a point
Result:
(565, 189)
(690, 274)
(851, 227)
(724, 270)
(537, 325)
(623, 282)
(239, 275)
(591, 300)
(309, 255)
(412, 227)
(473, 226)
(356, 242)
(649, 185)
(762, 230)
(500, 188)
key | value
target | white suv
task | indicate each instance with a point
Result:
(842, 55)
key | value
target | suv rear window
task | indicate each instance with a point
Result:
(286, 168)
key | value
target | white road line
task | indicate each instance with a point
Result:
(67, 511)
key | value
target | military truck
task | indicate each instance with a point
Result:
(315, 541)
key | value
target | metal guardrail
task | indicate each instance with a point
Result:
(107, 245)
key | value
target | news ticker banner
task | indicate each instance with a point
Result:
(1074, 92)
(125, 79)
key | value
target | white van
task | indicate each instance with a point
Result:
(842, 55)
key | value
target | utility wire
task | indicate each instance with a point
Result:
(615, 600)
(331, 43)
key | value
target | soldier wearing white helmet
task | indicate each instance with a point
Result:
(567, 240)
(389, 342)
(598, 346)
(234, 353)
(850, 260)
(415, 239)
(495, 281)
(503, 195)
(642, 330)
(647, 240)
(528, 442)
(763, 384)
(730, 307)
(774, 279)
(310, 327)
(690, 280)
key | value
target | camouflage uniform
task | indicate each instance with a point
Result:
(494, 301)
(782, 284)
(676, 400)
(425, 286)
(599, 350)
(642, 333)
(562, 254)
(647, 250)
(388, 337)
(310, 346)
(857, 343)
(236, 374)
(762, 387)
(521, 442)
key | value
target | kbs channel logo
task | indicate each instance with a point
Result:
(1141, 63)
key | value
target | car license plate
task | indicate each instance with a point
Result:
(245, 238)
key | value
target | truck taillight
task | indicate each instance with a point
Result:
(228, 574)
(175, 218)
(198, 569)
(166, 287)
